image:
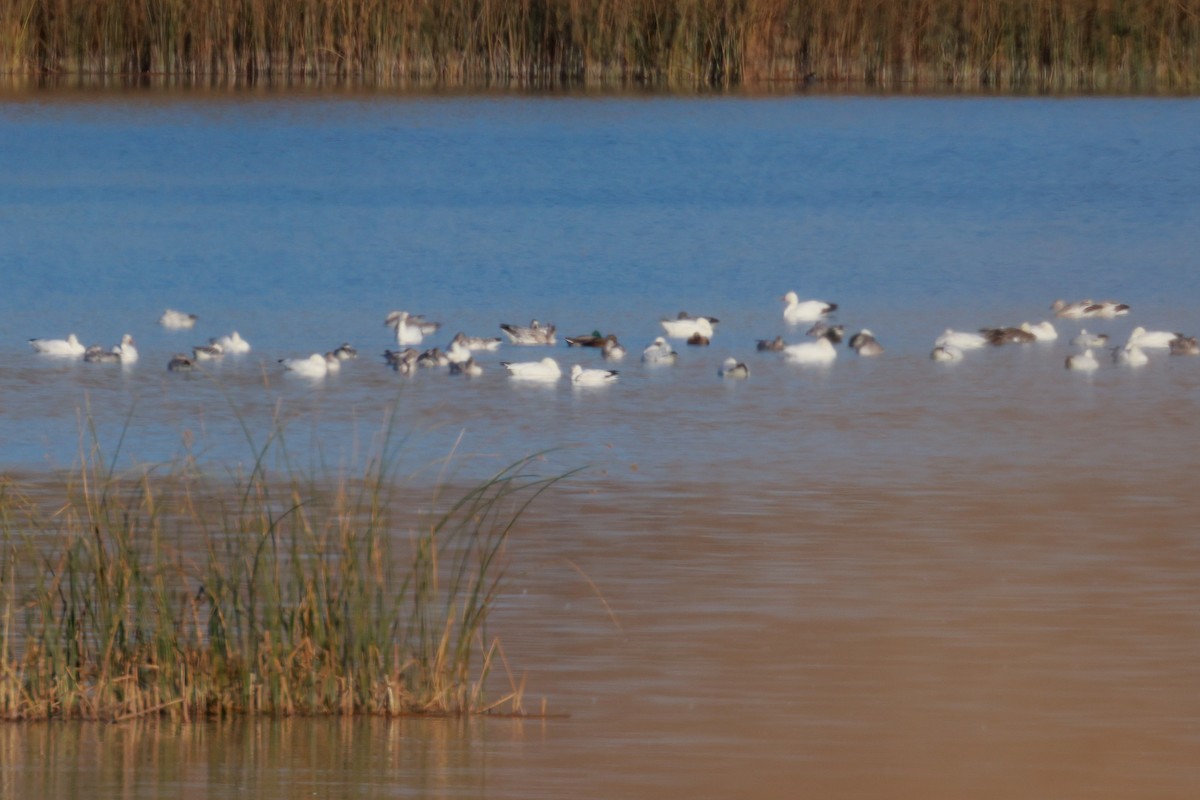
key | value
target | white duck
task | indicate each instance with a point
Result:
(963, 340)
(231, 343)
(732, 368)
(1084, 362)
(946, 352)
(409, 329)
(820, 351)
(69, 347)
(1130, 355)
(796, 310)
(1043, 331)
(659, 352)
(685, 327)
(127, 350)
(1152, 339)
(1085, 339)
(177, 320)
(592, 377)
(315, 366)
(545, 370)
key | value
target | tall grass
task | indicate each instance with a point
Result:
(169, 591)
(1046, 44)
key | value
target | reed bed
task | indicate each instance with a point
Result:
(1006, 44)
(168, 591)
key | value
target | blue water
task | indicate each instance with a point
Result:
(301, 220)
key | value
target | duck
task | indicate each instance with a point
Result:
(821, 351)
(659, 352)
(699, 339)
(476, 342)
(731, 368)
(404, 362)
(1085, 339)
(433, 357)
(345, 352)
(963, 340)
(315, 366)
(1185, 346)
(457, 352)
(69, 347)
(834, 333)
(1043, 331)
(946, 352)
(775, 345)
(180, 363)
(468, 367)
(545, 370)
(1076, 310)
(865, 344)
(1152, 339)
(207, 352)
(231, 343)
(1084, 362)
(593, 339)
(685, 327)
(534, 333)
(1002, 336)
(1130, 355)
(177, 320)
(796, 310)
(410, 329)
(592, 377)
(1107, 309)
(612, 350)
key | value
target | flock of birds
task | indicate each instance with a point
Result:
(410, 331)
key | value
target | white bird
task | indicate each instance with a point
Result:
(865, 344)
(1152, 339)
(659, 352)
(1044, 331)
(612, 350)
(946, 352)
(821, 351)
(127, 350)
(457, 351)
(344, 352)
(409, 329)
(685, 327)
(592, 377)
(315, 366)
(231, 343)
(1085, 339)
(545, 370)
(796, 310)
(71, 346)
(177, 320)
(534, 333)
(1130, 355)
(732, 368)
(1107, 309)
(1085, 361)
(1077, 310)
(963, 340)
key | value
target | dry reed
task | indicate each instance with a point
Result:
(1009, 44)
(171, 592)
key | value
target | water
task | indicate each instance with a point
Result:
(885, 577)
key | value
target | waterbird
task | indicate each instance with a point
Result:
(1085, 339)
(592, 377)
(410, 329)
(1084, 362)
(534, 333)
(1130, 355)
(659, 352)
(98, 355)
(796, 310)
(207, 352)
(433, 357)
(834, 333)
(698, 339)
(177, 320)
(545, 370)
(476, 342)
(1044, 331)
(771, 345)
(963, 340)
(231, 343)
(1185, 346)
(593, 339)
(180, 363)
(732, 368)
(468, 367)
(404, 362)
(1152, 339)
(344, 352)
(612, 350)
(946, 352)
(314, 366)
(71, 346)
(685, 327)
(127, 350)
(820, 351)
(865, 344)
(1002, 336)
